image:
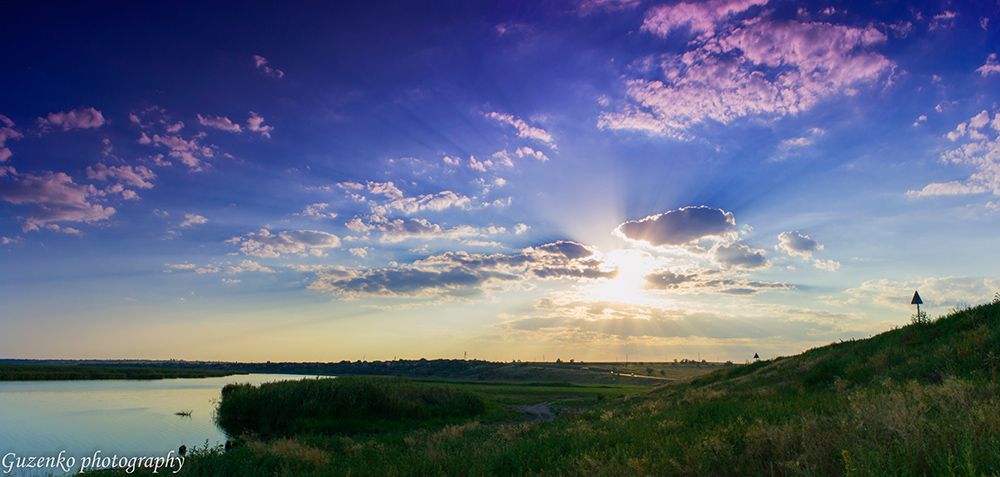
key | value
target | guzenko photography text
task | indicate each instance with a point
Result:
(65, 463)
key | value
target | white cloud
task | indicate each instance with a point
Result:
(981, 151)
(248, 266)
(81, 118)
(798, 245)
(256, 124)
(739, 68)
(586, 7)
(523, 129)
(794, 243)
(57, 199)
(991, 66)
(301, 242)
(220, 122)
(935, 292)
(318, 211)
(701, 17)
(262, 65)
(7, 132)
(192, 219)
(138, 176)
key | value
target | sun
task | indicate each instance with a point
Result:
(628, 286)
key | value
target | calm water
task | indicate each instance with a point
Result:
(115, 417)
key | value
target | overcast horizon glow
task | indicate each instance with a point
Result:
(571, 179)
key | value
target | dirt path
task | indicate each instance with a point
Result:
(535, 412)
(538, 412)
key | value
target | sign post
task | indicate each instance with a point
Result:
(916, 301)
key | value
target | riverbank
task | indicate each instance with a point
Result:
(40, 372)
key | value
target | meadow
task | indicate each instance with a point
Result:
(921, 399)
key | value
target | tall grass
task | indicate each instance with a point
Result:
(340, 405)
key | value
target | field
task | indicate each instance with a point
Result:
(922, 399)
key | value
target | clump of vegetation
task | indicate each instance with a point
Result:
(349, 404)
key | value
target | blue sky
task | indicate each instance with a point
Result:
(516, 180)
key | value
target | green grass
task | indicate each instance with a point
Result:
(530, 393)
(37, 372)
(922, 399)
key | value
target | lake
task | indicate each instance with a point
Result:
(124, 418)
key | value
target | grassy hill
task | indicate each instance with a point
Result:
(918, 400)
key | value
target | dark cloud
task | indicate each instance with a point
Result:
(700, 282)
(410, 281)
(737, 255)
(680, 227)
(571, 250)
(668, 279)
(460, 274)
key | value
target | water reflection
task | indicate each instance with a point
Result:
(116, 417)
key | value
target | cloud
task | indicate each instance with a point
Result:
(943, 20)
(578, 320)
(192, 219)
(80, 118)
(397, 230)
(798, 245)
(523, 129)
(463, 275)
(680, 227)
(504, 158)
(256, 124)
(737, 255)
(794, 243)
(792, 147)
(935, 292)
(318, 211)
(395, 199)
(737, 68)
(301, 242)
(586, 7)
(188, 151)
(138, 176)
(248, 266)
(401, 229)
(981, 151)
(58, 199)
(7, 132)
(180, 266)
(991, 66)
(220, 122)
(262, 63)
(699, 17)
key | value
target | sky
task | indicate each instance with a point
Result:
(595, 180)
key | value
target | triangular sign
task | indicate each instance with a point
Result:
(916, 299)
(755, 356)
